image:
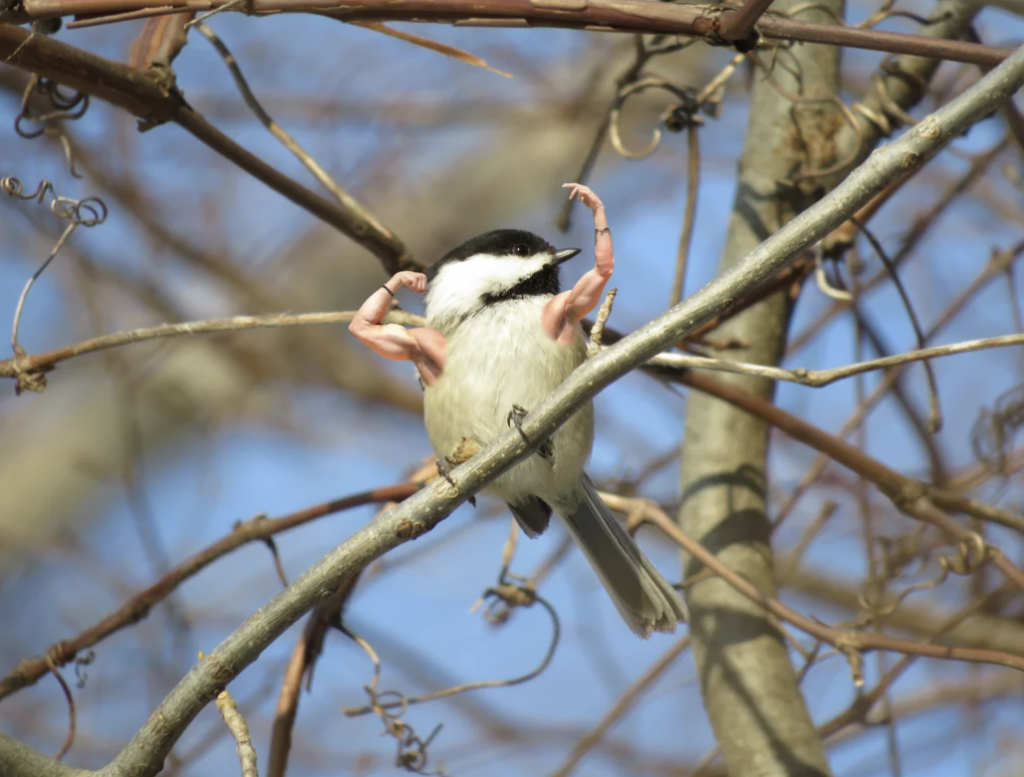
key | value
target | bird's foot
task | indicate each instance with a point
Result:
(515, 416)
(444, 468)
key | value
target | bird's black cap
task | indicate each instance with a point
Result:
(499, 242)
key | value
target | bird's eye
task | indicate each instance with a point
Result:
(521, 250)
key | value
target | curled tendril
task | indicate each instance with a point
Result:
(68, 107)
(994, 430)
(675, 118)
(64, 106)
(971, 554)
(389, 706)
(81, 662)
(87, 212)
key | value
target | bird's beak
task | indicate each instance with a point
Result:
(565, 255)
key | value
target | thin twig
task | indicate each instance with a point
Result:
(325, 616)
(44, 362)
(622, 705)
(998, 261)
(69, 740)
(39, 363)
(345, 199)
(531, 597)
(935, 413)
(153, 104)
(920, 500)
(690, 214)
(240, 731)
(847, 641)
(819, 378)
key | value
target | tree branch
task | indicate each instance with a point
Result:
(632, 16)
(18, 366)
(129, 89)
(29, 671)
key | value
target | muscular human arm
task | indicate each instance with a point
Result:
(424, 347)
(562, 314)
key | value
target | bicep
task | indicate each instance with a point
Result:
(585, 295)
(390, 341)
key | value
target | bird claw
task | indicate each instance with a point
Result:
(444, 468)
(515, 416)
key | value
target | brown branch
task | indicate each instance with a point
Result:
(622, 705)
(998, 263)
(129, 89)
(850, 642)
(737, 25)
(28, 365)
(919, 228)
(602, 15)
(325, 615)
(346, 200)
(30, 670)
(912, 497)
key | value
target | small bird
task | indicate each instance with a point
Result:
(501, 335)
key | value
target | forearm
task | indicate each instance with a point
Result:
(390, 341)
(373, 310)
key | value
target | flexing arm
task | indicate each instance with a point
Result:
(423, 347)
(565, 311)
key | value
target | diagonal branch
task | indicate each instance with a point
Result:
(129, 89)
(139, 606)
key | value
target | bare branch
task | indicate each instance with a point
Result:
(844, 640)
(27, 365)
(622, 705)
(819, 378)
(240, 732)
(346, 200)
(605, 15)
(138, 607)
(122, 86)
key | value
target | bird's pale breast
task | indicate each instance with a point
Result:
(503, 358)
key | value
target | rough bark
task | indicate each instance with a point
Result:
(748, 684)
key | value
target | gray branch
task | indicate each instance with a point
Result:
(146, 752)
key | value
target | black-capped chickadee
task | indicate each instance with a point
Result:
(500, 337)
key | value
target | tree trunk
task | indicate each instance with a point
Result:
(749, 686)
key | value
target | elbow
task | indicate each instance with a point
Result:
(357, 328)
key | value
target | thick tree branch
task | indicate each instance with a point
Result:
(601, 15)
(131, 90)
(18, 760)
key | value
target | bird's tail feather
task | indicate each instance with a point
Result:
(642, 596)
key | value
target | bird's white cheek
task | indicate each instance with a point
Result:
(459, 288)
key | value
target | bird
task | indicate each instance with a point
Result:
(500, 337)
